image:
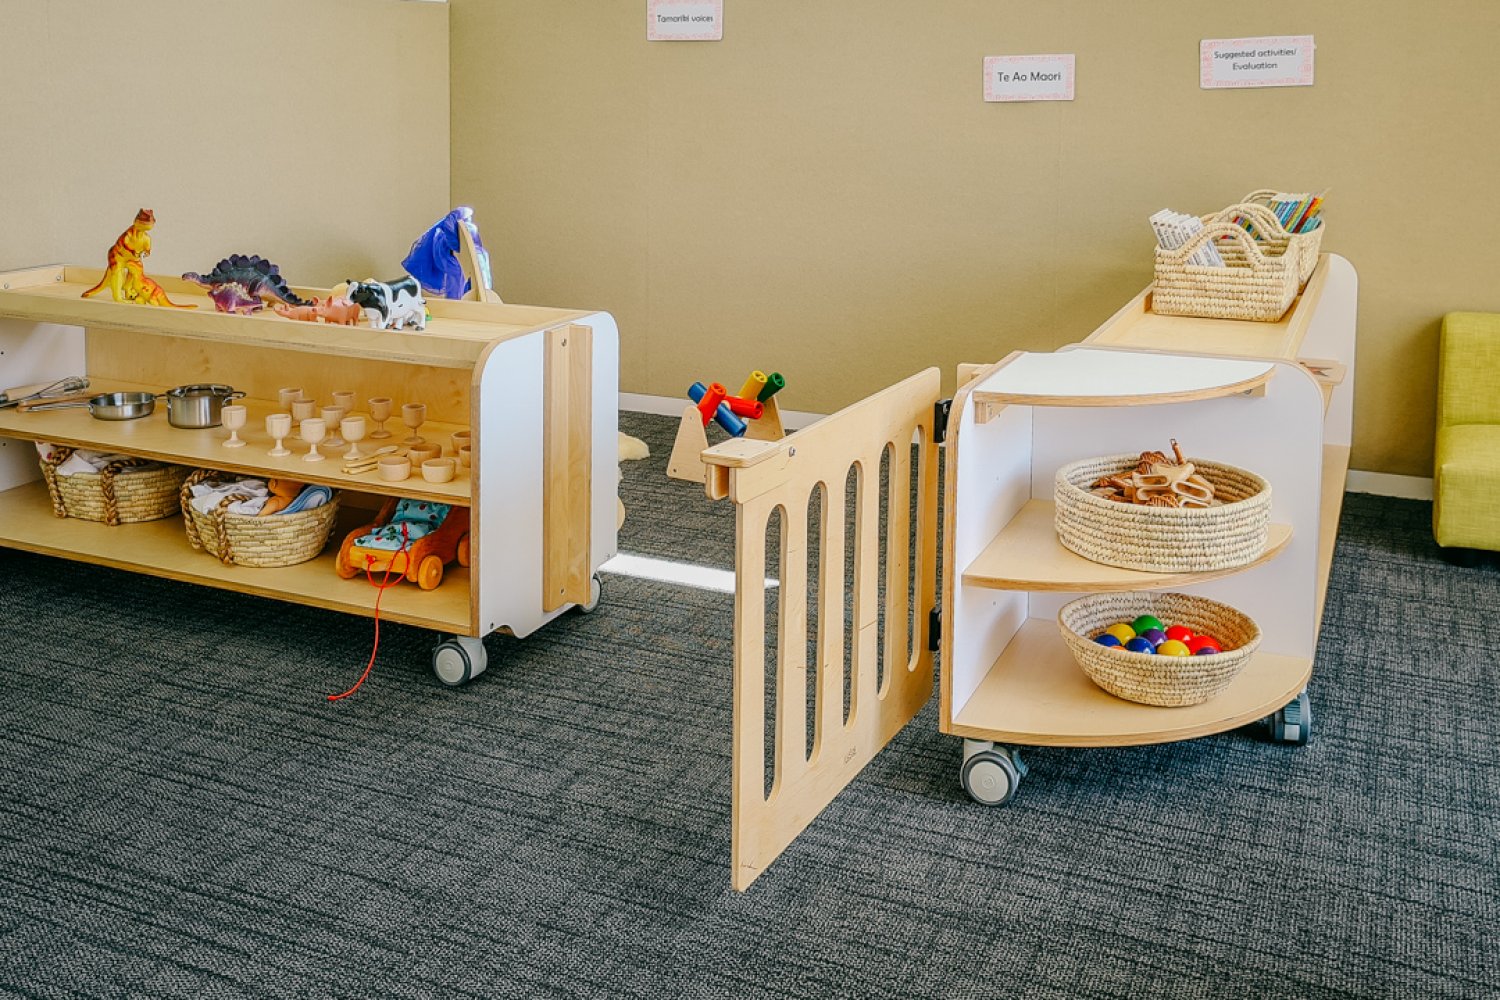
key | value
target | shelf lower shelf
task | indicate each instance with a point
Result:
(1037, 695)
(160, 548)
(1026, 555)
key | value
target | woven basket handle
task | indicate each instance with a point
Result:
(1265, 221)
(107, 485)
(185, 496)
(1263, 196)
(1213, 233)
(49, 476)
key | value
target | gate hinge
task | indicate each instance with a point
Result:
(934, 628)
(940, 411)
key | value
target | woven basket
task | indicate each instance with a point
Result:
(1163, 539)
(110, 497)
(249, 540)
(1252, 285)
(1271, 236)
(1149, 678)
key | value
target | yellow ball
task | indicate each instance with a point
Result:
(1121, 631)
(1172, 648)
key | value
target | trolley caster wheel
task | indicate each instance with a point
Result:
(596, 593)
(990, 774)
(1292, 723)
(459, 660)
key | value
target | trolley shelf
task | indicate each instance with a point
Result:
(160, 548)
(1026, 555)
(1037, 695)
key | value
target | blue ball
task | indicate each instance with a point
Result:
(1155, 636)
(1140, 644)
(1107, 640)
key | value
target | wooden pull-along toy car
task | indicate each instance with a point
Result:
(426, 537)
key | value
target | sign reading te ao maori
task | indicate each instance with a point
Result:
(1028, 78)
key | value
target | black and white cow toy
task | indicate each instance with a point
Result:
(390, 304)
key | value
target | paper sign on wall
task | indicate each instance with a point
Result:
(1277, 61)
(1028, 78)
(684, 20)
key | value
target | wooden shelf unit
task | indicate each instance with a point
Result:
(537, 387)
(1232, 391)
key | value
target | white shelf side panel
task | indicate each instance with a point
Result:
(1330, 334)
(33, 352)
(992, 485)
(509, 448)
(1277, 436)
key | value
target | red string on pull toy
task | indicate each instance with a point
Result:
(380, 589)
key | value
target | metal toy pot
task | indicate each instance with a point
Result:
(197, 406)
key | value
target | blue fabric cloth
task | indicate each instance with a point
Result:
(310, 497)
(412, 519)
(433, 259)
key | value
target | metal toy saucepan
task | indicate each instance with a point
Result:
(198, 405)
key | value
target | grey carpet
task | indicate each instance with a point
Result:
(182, 815)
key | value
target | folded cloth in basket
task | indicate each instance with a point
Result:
(252, 495)
(310, 497)
(88, 462)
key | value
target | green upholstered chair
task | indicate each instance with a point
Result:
(1466, 467)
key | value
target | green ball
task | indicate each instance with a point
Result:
(1144, 622)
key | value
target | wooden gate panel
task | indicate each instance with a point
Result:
(764, 477)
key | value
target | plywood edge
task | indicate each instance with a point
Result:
(1131, 399)
(1331, 505)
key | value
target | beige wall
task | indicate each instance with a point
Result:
(314, 134)
(825, 193)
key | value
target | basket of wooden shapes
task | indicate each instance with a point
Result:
(1252, 284)
(125, 491)
(1160, 515)
(1159, 678)
(279, 539)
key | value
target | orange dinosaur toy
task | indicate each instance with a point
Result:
(124, 274)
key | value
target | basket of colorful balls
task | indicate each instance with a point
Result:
(1158, 648)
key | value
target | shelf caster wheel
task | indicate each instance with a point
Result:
(459, 660)
(1292, 723)
(990, 774)
(596, 593)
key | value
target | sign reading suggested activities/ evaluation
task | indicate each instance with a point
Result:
(1028, 78)
(1274, 61)
(684, 20)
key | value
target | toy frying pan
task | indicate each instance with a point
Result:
(107, 406)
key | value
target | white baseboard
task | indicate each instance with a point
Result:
(1387, 485)
(672, 406)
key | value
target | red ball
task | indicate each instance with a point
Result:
(1179, 632)
(1199, 642)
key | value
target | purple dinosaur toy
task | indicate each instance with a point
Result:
(232, 297)
(253, 278)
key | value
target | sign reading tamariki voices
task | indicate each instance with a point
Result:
(684, 20)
